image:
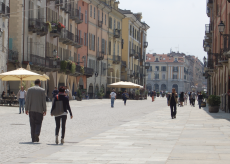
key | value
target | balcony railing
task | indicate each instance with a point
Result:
(12, 56)
(147, 65)
(66, 37)
(37, 61)
(116, 59)
(137, 55)
(34, 24)
(132, 52)
(210, 63)
(88, 71)
(99, 24)
(56, 32)
(78, 42)
(100, 55)
(78, 16)
(43, 29)
(210, 3)
(123, 63)
(208, 11)
(117, 33)
(146, 44)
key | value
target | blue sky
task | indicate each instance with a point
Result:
(173, 23)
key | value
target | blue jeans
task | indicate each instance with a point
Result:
(125, 101)
(21, 104)
(199, 101)
(112, 102)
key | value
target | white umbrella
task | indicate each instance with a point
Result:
(123, 84)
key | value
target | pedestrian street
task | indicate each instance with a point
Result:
(141, 132)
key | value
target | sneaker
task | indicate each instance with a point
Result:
(174, 116)
(62, 141)
(56, 139)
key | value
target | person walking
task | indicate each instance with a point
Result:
(36, 109)
(193, 96)
(113, 98)
(67, 91)
(54, 93)
(181, 99)
(21, 97)
(63, 117)
(152, 95)
(125, 96)
(185, 98)
(200, 98)
(190, 98)
(172, 101)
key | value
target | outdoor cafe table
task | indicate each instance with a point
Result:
(9, 100)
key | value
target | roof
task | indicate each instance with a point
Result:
(163, 58)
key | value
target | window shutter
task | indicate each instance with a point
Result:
(85, 16)
(105, 19)
(110, 48)
(94, 40)
(105, 47)
(90, 10)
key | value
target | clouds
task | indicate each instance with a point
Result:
(173, 23)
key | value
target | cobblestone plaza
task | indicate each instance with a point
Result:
(141, 132)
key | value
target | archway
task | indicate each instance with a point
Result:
(163, 87)
(90, 91)
(156, 87)
(61, 81)
(50, 85)
(176, 87)
(149, 87)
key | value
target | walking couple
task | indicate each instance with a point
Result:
(36, 109)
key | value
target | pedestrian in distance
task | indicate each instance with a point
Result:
(181, 99)
(113, 98)
(190, 98)
(54, 93)
(172, 101)
(21, 97)
(61, 97)
(185, 98)
(36, 109)
(152, 95)
(200, 99)
(125, 96)
(193, 96)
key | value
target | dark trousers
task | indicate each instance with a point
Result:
(61, 119)
(35, 123)
(193, 102)
(125, 101)
(173, 109)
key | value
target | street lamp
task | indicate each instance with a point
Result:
(207, 48)
(221, 27)
(54, 53)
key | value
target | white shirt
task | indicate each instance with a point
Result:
(22, 94)
(113, 94)
(67, 92)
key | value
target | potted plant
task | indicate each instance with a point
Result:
(101, 94)
(63, 65)
(163, 94)
(82, 70)
(137, 94)
(214, 103)
(57, 58)
(158, 94)
(79, 95)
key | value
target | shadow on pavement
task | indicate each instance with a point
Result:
(220, 115)
(29, 143)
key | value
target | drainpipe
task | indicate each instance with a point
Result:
(24, 32)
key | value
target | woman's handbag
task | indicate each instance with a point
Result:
(58, 108)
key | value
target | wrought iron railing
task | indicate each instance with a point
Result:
(116, 59)
(117, 33)
(12, 56)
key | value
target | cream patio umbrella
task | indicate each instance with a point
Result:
(123, 84)
(22, 74)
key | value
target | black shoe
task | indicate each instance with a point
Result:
(36, 139)
(20, 113)
(174, 116)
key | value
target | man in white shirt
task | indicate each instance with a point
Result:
(21, 97)
(67, 91)
(113, 98)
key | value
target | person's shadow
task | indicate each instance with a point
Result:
(29, 143)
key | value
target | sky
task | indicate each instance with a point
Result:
(174, 24)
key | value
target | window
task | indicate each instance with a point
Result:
(78, 60)
(150, 69)
(163, 68)
(82, 3)
(114, 48)
(94, 12)
(85, 16)
(163, 76)
(175, 59)
(175, 76)
(114, 25)
(157, 60)
(84, 39)
(102, 17)
(130, 30)
(157, 68)
(110, 22)
(118, 49)
(156, 76)
(98, 15)
(185, 77)
(118, 25)
(105, 19)
(175, 69)
(91, 12)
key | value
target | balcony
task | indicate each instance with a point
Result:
(123, 64)
(78, 17)
(2, 8)
(147, 65)
(100, 24)
(146, 44)
(66, 37)
(116, 59)
(208, 30)
(137, 55)
(88, 71)
(43, 29)
(34, 24)
(56, 32)
(78, 42)
(136, 75)
(7, 14)
(210, 3)
(210, 64)
(12, 56)
(131, 52)
(117, 33)
(37, 62)
(208, 11)
(100, 55)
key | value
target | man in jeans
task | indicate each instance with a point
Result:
(21, 96)
(36, 109)
(113, 98)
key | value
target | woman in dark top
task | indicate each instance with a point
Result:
(3, 94)
(125, 96)
(61, 97)
(200, 98)
(181, 98)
